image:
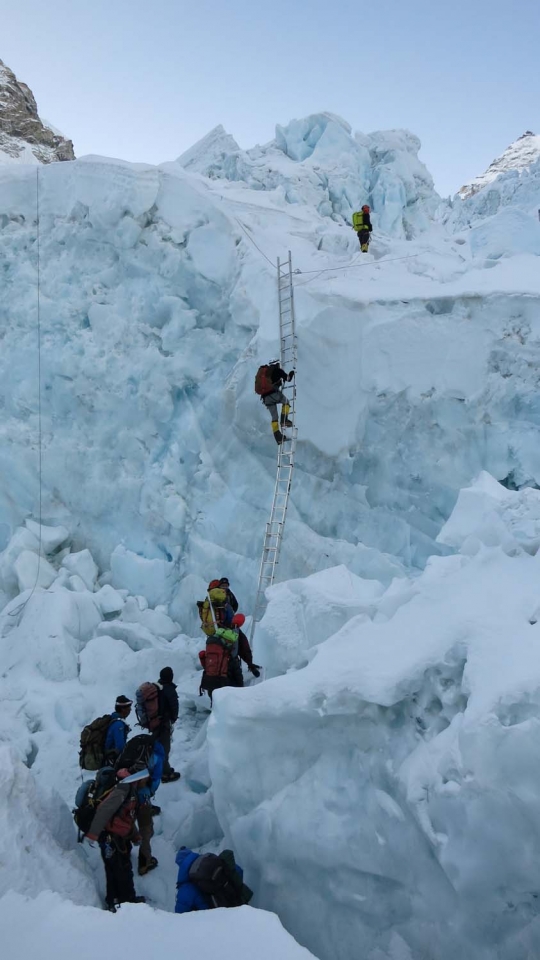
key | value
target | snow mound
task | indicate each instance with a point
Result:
(487, 513)
(38, 848)
(405, 802)
(51, 926)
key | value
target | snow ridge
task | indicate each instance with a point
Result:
(518, 156)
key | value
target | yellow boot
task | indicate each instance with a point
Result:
(278, 436)
(285, 422)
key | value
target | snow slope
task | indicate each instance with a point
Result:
(60, 928)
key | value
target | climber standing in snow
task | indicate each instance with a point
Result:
(113, 826)
(168, 709)
(236, 676)
(269, 380)
(361, 222)
(103, 740)
(222, 649)
(116, 736)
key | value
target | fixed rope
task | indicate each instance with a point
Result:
(21, 607)
(286, 449)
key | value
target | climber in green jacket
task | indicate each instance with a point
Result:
(361, 222)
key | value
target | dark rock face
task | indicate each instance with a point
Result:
(21, 130)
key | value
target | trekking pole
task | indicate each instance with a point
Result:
(212, 610)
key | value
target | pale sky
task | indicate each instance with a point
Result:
(144, 80)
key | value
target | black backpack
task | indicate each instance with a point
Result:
(219, 880)
(136, 753)
(92, 748)
(89, 796)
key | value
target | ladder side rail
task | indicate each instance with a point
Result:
(286, 451)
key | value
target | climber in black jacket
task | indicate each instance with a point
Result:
(168, 706)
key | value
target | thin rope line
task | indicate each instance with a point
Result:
(40, 460)
(350, 267)
(255, 245)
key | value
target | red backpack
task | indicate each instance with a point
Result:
(263, 381)
(216, 661)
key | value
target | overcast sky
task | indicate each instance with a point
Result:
(144, 80)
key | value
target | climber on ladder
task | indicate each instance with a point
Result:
(361, 222)
(268, 383)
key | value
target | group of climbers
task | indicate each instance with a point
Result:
(226, 645)
(116, 808)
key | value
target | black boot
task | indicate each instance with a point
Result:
(146, 865)
(285, 422)
(278, 436)
(171, 776)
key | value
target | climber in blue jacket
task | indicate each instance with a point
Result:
(188, 896)
(116, 736)
(230, 889)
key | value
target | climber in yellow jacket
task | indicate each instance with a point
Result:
(362, 224)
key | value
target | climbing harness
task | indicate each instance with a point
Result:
(286, 449)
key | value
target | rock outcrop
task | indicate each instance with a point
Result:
(24, 138)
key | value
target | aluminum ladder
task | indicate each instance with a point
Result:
(286, 450)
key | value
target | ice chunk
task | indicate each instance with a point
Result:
(32, 569)
(22, 540)
(210, 149)
(489, 513)
(109, 600)
(303, 613)
(83, 565)
(156, 621)
(153, 578)
(51, 537)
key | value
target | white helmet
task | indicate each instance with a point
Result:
(272, 362)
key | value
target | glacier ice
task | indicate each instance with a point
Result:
(406, 797)
(380, 787)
